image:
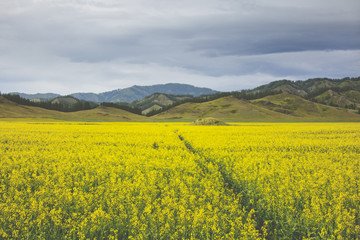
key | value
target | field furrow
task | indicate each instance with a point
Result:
(71, 180)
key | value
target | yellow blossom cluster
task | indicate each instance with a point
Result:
(302, 179)
(73, 180)
(111, 181)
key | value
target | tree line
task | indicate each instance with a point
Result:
(135, 110)
(78, 106)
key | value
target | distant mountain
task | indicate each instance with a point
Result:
(38, 96)
(128, 94)
(280, 107)
(319, 99)
(139, 92)
(91, 97)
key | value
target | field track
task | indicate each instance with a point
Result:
(78, 180)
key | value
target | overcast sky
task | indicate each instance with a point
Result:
(67, 46)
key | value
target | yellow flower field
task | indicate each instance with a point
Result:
(72, 180)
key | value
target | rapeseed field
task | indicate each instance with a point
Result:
(72, 180)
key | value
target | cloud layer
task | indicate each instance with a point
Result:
(70, 46)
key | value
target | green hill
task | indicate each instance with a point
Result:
(335, 92)
(226, 108)
(9, 109)
(157, 101)
(66, 100)
(139, 92)
(280, 107)
(312, 100)
(102, 113)
(300, 108)
(346, 99)
(311, 86)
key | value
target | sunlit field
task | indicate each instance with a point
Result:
(71, 180)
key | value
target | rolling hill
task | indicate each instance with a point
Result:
(335, 92)
(9, 109)
(312, 100)
(280, 107)
(66, 100)
(128, 94)
(38, 96)
(139, 92)
(346, 99)
(157, 101)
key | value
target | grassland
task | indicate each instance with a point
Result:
(9, 109)
(81, 180)
(276, 108)
(281, 107)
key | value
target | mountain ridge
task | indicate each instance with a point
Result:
(129, 94)
(312, 89)
(279, 107)
(319, 99)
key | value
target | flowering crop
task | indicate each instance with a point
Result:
(69, 180)
(302, 180)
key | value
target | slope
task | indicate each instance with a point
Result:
(9, 109)
(157, 100)
(66, 100)
(348, 99)
(302, 109)
(312, 87)
(139, 92)
(226, 108)
(37, 96)
(280, 107)
(102, 113)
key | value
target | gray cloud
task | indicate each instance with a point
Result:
(81, 45)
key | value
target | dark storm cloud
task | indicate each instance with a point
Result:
(93, 45)
(238, 40)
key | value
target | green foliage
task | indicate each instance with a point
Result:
(135, 110)
(160, 99)
(273, 85)
(209, 121)
(313, 89)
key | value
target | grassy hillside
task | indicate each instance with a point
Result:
(154, 107)
(353, 96)
(157, 101)
(300, 108)
(67, 100)
(227, 108)
(9, 109)
(102, 113)
(335, 92)
(280, 107)
(312, 86)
